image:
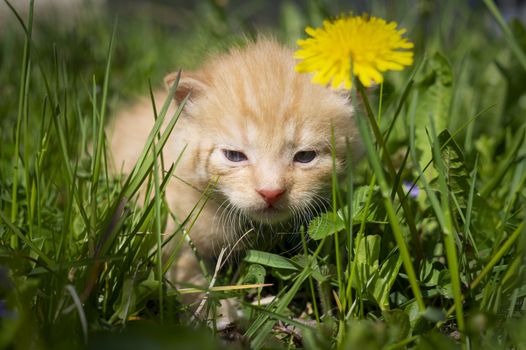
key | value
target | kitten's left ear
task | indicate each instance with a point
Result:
(189, 84)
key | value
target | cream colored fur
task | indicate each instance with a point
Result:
(248, 100)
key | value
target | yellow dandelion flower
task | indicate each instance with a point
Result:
(370, 44)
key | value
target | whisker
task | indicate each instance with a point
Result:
(240, 231)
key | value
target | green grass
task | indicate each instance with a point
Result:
(80, 259)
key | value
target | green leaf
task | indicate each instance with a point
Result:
(444, 284)
(398, 324)
(269, 259)
(435, 88)
(369, 250)
(127, 301)
(435, 340)
(429, 274)
(434, 314)
(255, 274)
(376, 212)
(457, 174)
(319, 274)
(366, 256)
(365, 334)
(325, 225)
(386, 279)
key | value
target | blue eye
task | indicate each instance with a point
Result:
(305, 156)
(234, 156)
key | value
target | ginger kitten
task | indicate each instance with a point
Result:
(259, 129)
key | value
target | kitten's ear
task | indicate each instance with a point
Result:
(189, 83)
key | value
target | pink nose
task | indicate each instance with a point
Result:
(271, 196)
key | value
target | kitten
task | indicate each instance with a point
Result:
(259, 129)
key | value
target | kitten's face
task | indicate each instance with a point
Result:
(269, 173)
(265, 132)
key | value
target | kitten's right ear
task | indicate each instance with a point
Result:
(189, 84)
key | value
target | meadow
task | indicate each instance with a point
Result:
(423, 246)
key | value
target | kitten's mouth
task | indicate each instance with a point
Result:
(270, 215)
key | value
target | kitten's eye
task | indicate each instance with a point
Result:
(305, 156)
(234, 156)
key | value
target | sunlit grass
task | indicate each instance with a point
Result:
(440, 266)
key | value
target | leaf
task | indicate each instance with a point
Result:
(320, 275)
(146, 288)
(128, 298)
(435, 88)
(376, 211)
(269, 259)
(435, 340)
(444, 284)
(398, 324)
(456, 170)
(386, 279)
(434, 314)
(429, 274)
(255, 274)
(419, 321)
(459, 182)
(325, 225)
(365, 334)
(377, 280)
(366, 263)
